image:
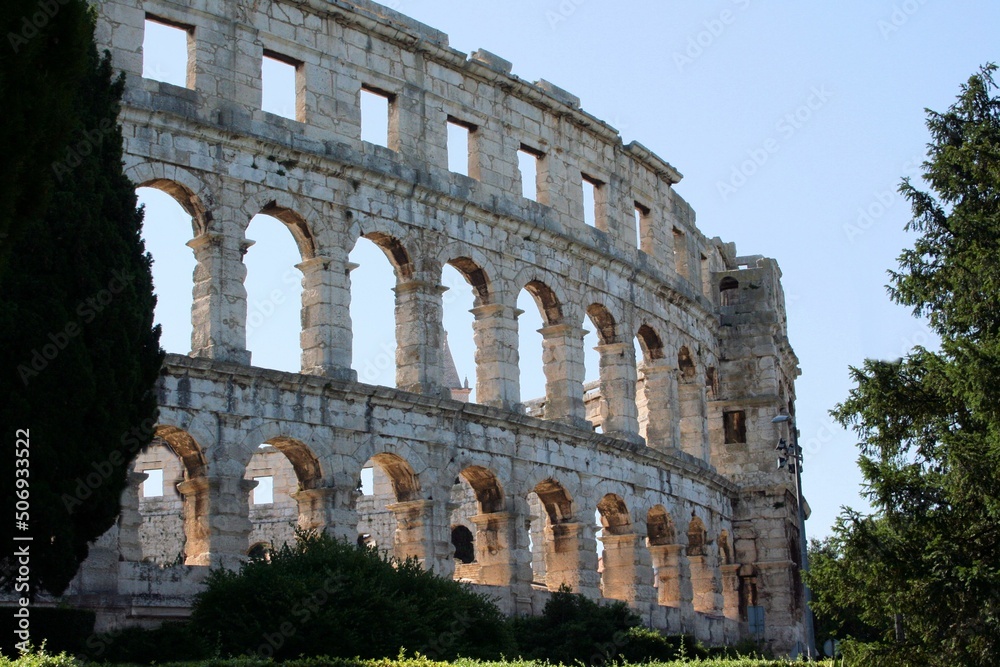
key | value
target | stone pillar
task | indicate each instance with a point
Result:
(731, 591)
(562, 356)
(216, 520)
(660, 387)
(497, 375)
(627, 571)
(326, 319)
(130, 520)
(673, 578)
(693, 425)
(705, 584)
(418, 536)
(329, 510)
(571, 558)
(418, 337)
(618, 378)
(219, 307)
(495, 547)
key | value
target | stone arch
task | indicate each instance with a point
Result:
(189, 191)
(650, 342)
(604, 322)
(391, 238)
(697, 537)
(305, 463)
(548, 303)
(489, 492)
(555, 500)
(173, 522)
(477, 269)
(403, 479)
(686, 363)
(660, 528)
(615, 516)
(185, 447)
(283, 208)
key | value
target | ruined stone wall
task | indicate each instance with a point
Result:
(689, 529)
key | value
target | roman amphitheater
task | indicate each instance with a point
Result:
(673, 448)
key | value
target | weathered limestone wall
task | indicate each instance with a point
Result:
(669, 475)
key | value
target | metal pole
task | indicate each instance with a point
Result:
(804, 551)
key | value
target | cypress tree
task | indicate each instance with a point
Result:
(80, 352)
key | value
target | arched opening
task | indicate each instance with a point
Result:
(539, 308)
(166, 229)
(691, 399)
(554, 552)
(260, 551)
(602, 331)
(478, 501)
(705, 580)
(465, 551)
(651, 401)
(388, 488)
(379, 261)
(659, 527)
(729, 291)
(282, 467)
(274, 287)
(617, 555)
(661, 538)
(697, 537)
(172, 519)
(459, 353)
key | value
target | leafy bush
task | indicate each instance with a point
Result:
(169, 642)
(573, 629)
(643, 645)
(331, 598)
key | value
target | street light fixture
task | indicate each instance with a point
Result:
(791, 456)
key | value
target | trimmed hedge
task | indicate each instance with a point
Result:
(42, 659)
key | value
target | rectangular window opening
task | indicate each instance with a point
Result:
(152, 486)
(375, 107)
(165, 52)
(735, 424)
(643, 240)
(527, 165)
(263, 493)
(460, 147)
(278, 80)
(591, 199)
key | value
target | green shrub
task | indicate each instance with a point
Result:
(327, 597)
(643, 645)
(170, 642)
(574, 629)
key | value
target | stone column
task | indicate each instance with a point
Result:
(418, 337)
(216, 520)
(219, 307)
(627, 571)
(495, 552)
(660, 387)
(418, 536)
(562, 356)
(731, 591)
(326, 318)
(673, 577)
(130, 520)
(329, 510)
(694, 429)
(618, 378)
(571, 558)
(705, 584)
(497, 375)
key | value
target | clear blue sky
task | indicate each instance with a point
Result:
(792, 123)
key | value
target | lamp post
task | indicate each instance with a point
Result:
(793, 452)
